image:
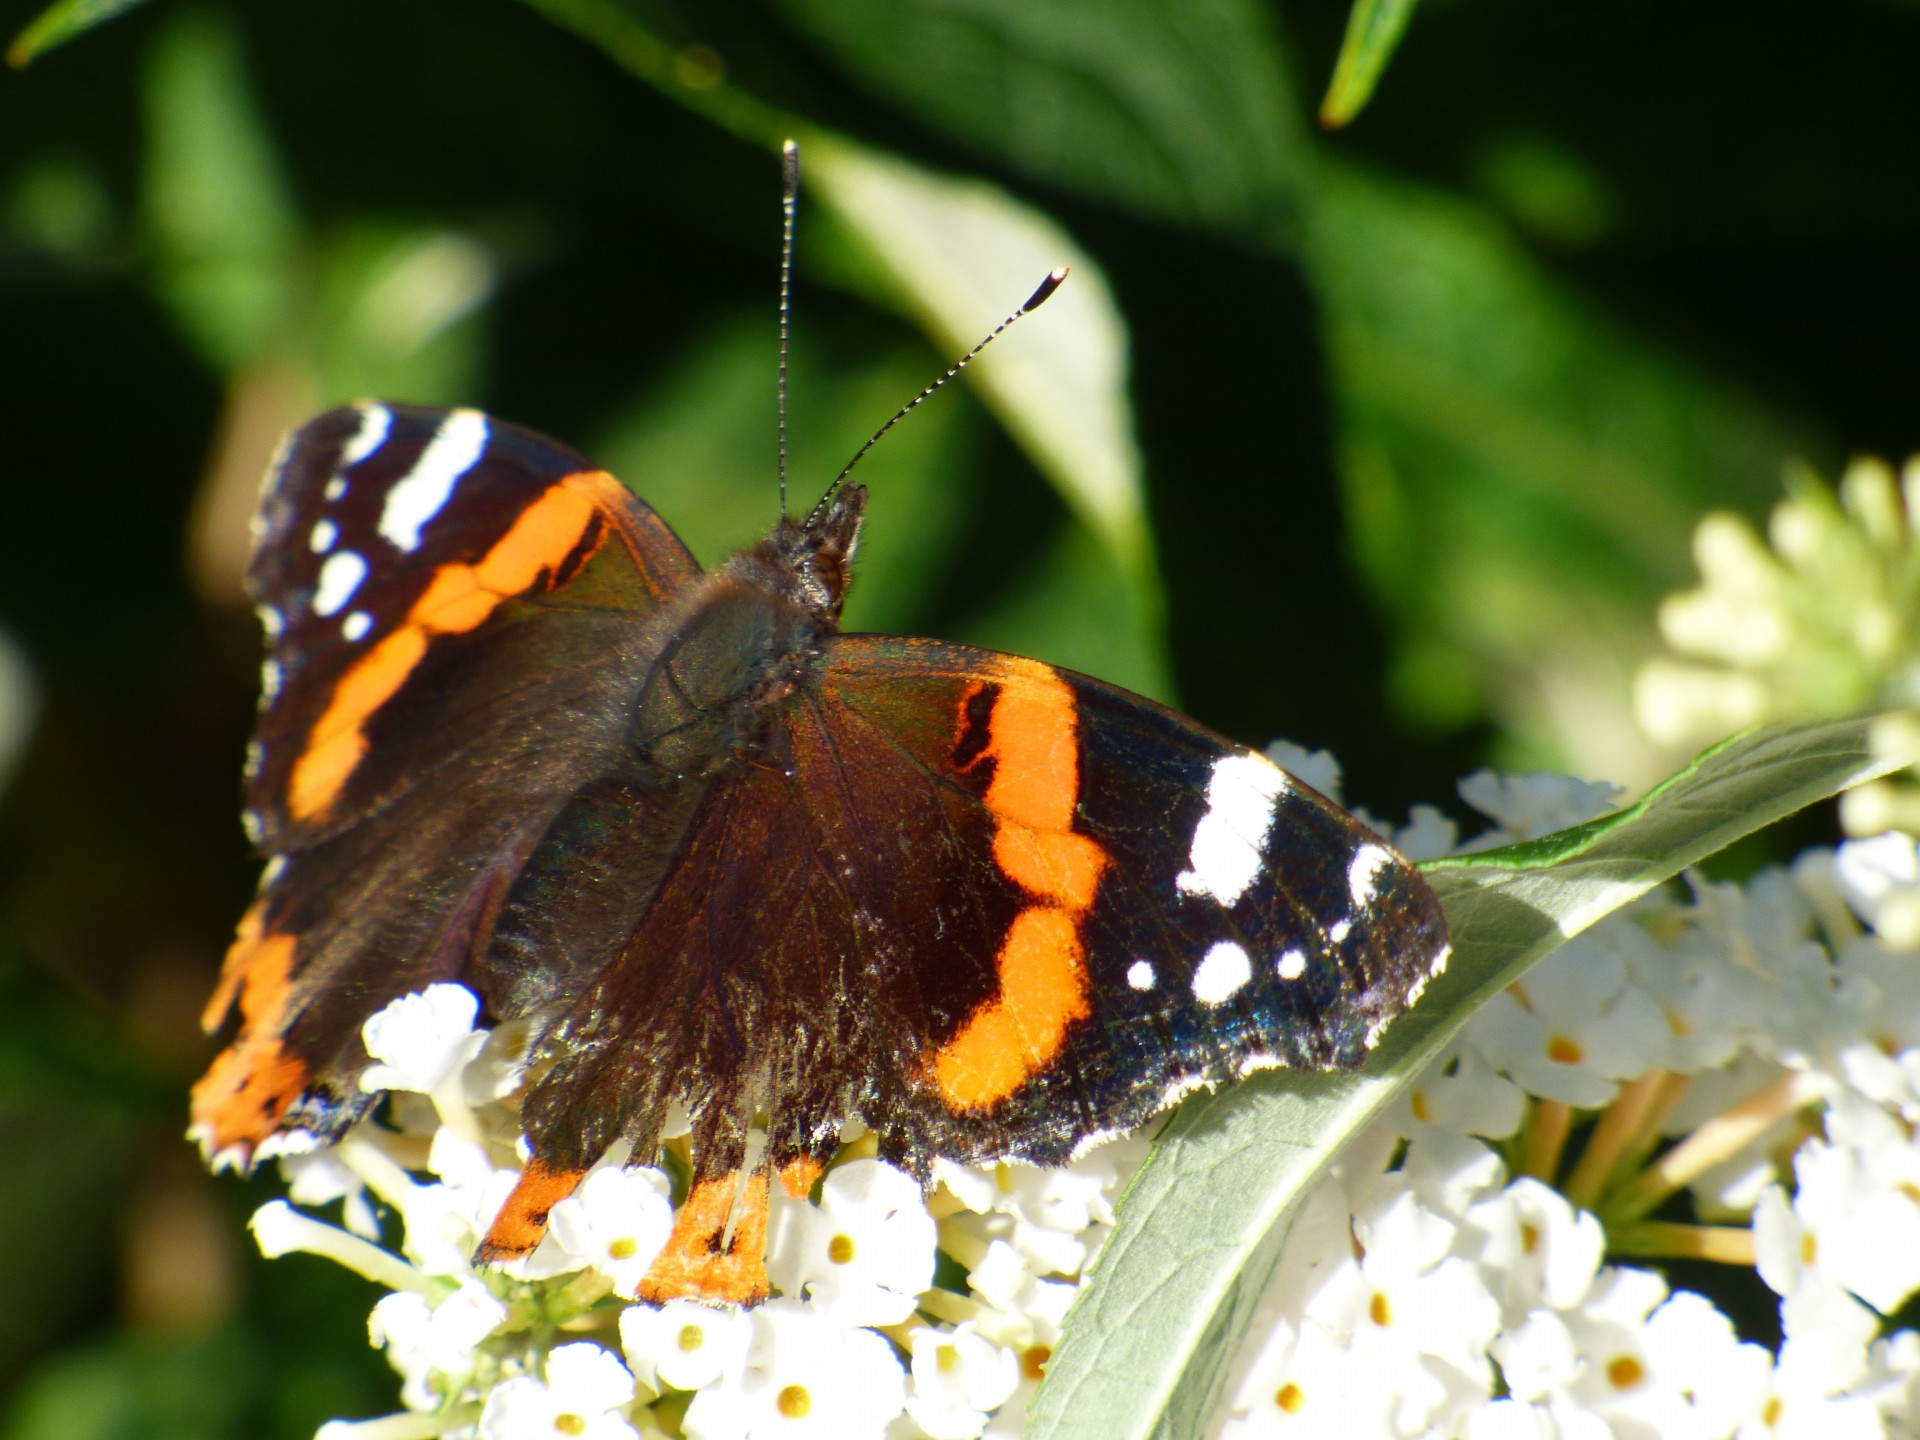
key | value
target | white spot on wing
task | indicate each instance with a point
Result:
(1363, 875)
(321, 539)
(420, 493)
(1341, 928)
(1229, 839)
(270, 621)
(356, 625)
(1221, 974)
(335, 488)
(1292, 965)
(1140, 975)
(339, 578)
(269, 681)
(376, 422)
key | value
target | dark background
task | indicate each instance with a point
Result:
(1428, 409)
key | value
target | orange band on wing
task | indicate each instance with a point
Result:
(1033, 740)
(1043, 990)
(456, 600)
(702, 1261)
(254, 1081)
(522, 1220)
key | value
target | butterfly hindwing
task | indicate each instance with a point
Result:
(1186, 911)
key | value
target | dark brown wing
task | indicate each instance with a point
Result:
(459, 613)
(988, 907)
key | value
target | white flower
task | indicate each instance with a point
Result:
(1693, 1378)
(1461, 1092)
(445, 1221)
(317, 1177)
(1710, 1004)
(1411, 1309)
(1839, 1230)
(1541, 1250)
(1058, 1214)
(1558, 1419)
(864, 1253)
(684, 1344)
(1307, 1382)
(584, 1388)
(617, 1221)
(806, 1376)
(1574, 1026)
(422, 1041)
(424, 1339)
(1316, 768)
(1528, 806)
(959, 1378)
(1537, 1356)
(1880, 879)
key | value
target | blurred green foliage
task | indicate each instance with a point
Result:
(1387, 440)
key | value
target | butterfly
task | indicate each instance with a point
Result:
(718, 853)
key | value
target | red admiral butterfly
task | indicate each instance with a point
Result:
(511, 736)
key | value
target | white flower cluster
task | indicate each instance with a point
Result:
(1748, 1055)
(1758, 1045)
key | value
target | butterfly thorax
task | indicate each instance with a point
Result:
(740, 643)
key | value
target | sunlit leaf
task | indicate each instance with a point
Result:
(959, 255)
(1374, 28)
(1178, 108)
(1148, 1344)
(62, 22)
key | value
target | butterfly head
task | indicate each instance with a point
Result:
(816, 556)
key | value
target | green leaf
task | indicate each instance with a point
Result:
(59, 23)
(1148, 1343)
(1177, 108)
(1522, 472)
(1374, 28)
(958, 255)
(222, 227)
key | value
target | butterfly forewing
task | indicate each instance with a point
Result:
(436, 586)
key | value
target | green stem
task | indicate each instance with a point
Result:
(1668, 1240)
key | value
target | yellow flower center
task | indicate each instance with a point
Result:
(1033, 1361)
(1565, 1050)
(794, 1402)
(1624, 1372)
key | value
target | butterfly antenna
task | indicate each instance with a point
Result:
(789, 207)
(1033, 302)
